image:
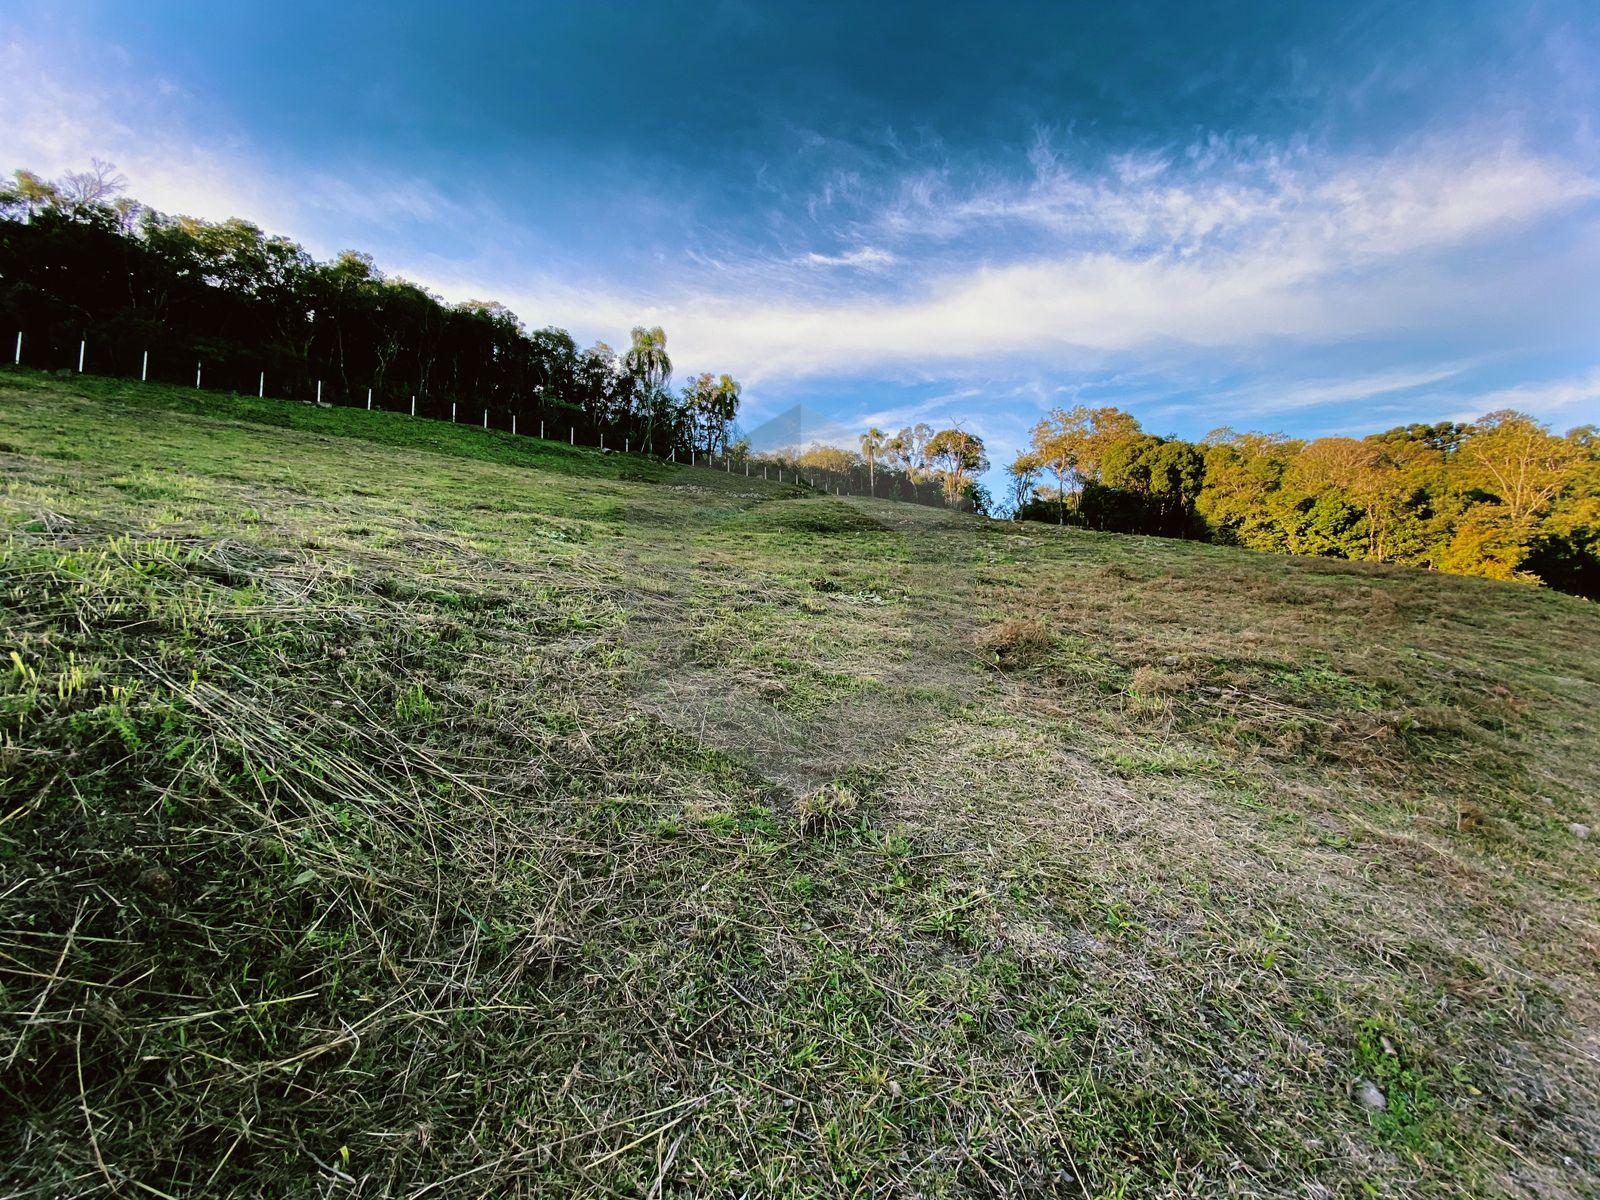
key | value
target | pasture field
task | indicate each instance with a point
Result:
(396, 809)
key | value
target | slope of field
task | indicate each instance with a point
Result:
(392, 809)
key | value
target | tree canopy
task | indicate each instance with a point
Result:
(1502, 496)
(79, 262)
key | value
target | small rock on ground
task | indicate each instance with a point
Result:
(1371, 1095)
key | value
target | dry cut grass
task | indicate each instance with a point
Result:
(391, 812)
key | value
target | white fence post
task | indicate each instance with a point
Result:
(541, 431)
(625, 444)
(602, 440)
(452, 411)
(197, 375)
(17, 362)
(261, 392)
(144, 368)
(572, 435)
(82, 346)
(319, 391)
(413, 404)
(486, 418)
(513, 424)
(369, 399)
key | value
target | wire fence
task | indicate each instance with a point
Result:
(543, 416)
(539, 419)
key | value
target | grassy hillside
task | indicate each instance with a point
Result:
(392, 809)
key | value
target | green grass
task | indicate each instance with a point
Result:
(394, 809)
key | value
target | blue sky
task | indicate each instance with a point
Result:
(1316, 218)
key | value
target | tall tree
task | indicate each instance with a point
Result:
(1365, 472)
(957, 456)
(1243, 474)
(647, 363)
(724, 408)
(710, 403)
(872, 446)
(1518, 461)
(27, 195)
(1177, 475)
(909, 450)
(1053, 446)
(80, 191)
(1022, 476)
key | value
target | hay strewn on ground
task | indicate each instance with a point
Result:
(407, 811)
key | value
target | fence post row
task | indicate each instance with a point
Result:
(572, 431)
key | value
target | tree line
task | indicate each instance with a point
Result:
(1501, 496)
(81, 262)
(919, 464)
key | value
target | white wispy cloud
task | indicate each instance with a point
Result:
(1299, 248)
(1424, 195)
(866, 257)
(1574, 396)
(1284, 397)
